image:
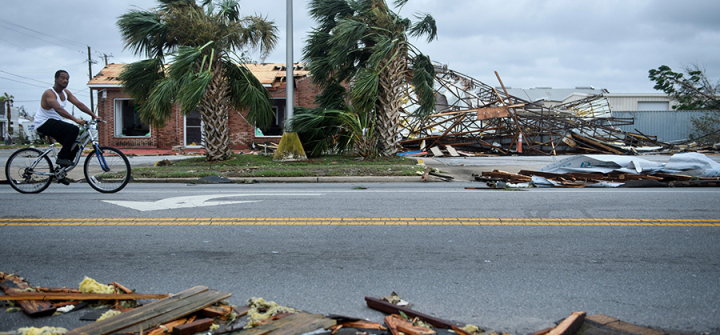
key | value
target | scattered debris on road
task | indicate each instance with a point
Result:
(682, 170)
(200, 310)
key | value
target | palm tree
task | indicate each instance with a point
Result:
(365, 44)
(192, 61)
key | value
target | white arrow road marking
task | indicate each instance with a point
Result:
(188, 201)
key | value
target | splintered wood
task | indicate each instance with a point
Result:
(578, 179)
(476, 117)
(12, 285)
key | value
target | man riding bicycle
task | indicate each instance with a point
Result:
(48, 119)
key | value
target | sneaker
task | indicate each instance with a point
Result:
(64, 162)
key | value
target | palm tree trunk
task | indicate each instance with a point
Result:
(387, 108)
(214, 111)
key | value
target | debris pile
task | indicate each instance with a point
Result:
(682, 170)
(475, 117)
(202, 310)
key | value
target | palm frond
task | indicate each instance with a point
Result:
(359, 132)
(139, 78)
(426, 26)
(423, 80)
(345, 38)
(259, 33)
(246, 92)
(382, 51)
(332, 97)
(185, 60)
(364, 92)
(318, 129)
(144, 33)
(230, 10)
(192, 91)
(158, 107)
(326, 12)
(400, 3)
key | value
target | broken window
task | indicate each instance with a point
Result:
(127, 120)
(276, 126)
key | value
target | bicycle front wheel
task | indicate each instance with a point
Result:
(107, 170)
(28, 172)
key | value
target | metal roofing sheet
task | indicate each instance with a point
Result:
(668, 126)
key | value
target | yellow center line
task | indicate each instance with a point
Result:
(362, 222)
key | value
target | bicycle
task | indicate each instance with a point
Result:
(106, 169)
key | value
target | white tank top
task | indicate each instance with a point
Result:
(43, 115)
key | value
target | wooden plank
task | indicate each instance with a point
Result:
(137, 315)
(426, 173)
(11, 284)
(168, 327)
(570, 325)
(193, 327)
(436, 152)
(492, 113)
(192, 305)
(57, 290)
(389, 308)
(363, 324)
(398, 324)
(121, 288)
(452, 151)
(309, 324)
(79, 296)
(293, 324)
(216, 311)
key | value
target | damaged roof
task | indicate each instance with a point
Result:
(552, 94)
(269, 74)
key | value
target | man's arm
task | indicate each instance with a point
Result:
(50, 99)
(80, 105)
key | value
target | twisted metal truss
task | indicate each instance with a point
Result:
(477, 117)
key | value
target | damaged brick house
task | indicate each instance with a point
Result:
(125, 129)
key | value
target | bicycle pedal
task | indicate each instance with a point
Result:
(64, 181)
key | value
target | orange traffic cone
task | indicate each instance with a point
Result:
(519, 143)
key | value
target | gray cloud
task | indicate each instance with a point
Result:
(609, 44)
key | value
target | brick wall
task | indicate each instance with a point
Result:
(242, 134)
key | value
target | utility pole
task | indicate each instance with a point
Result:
(289, 65)
(290, 148)
(106, 57)
(90, 61)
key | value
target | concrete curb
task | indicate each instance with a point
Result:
(252, 180)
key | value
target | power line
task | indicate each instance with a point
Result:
(26, 50)
(22, 82)
(44, 40)
(45, 34)
(17, 75)
(80, 92)
(37, 32)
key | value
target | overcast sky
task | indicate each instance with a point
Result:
(562, 44)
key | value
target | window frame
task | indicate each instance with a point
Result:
(118, 121)
(185, 133)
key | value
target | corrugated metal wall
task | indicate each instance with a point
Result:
(668, 126)
(628, 102)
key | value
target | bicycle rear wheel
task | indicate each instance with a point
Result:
(27, 172)
(107, 171)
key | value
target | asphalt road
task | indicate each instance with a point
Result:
(646, 256)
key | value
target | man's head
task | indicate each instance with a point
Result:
(61, 79)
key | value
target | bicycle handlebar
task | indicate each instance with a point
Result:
(93, 122)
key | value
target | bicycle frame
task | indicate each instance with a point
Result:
(89, 135)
